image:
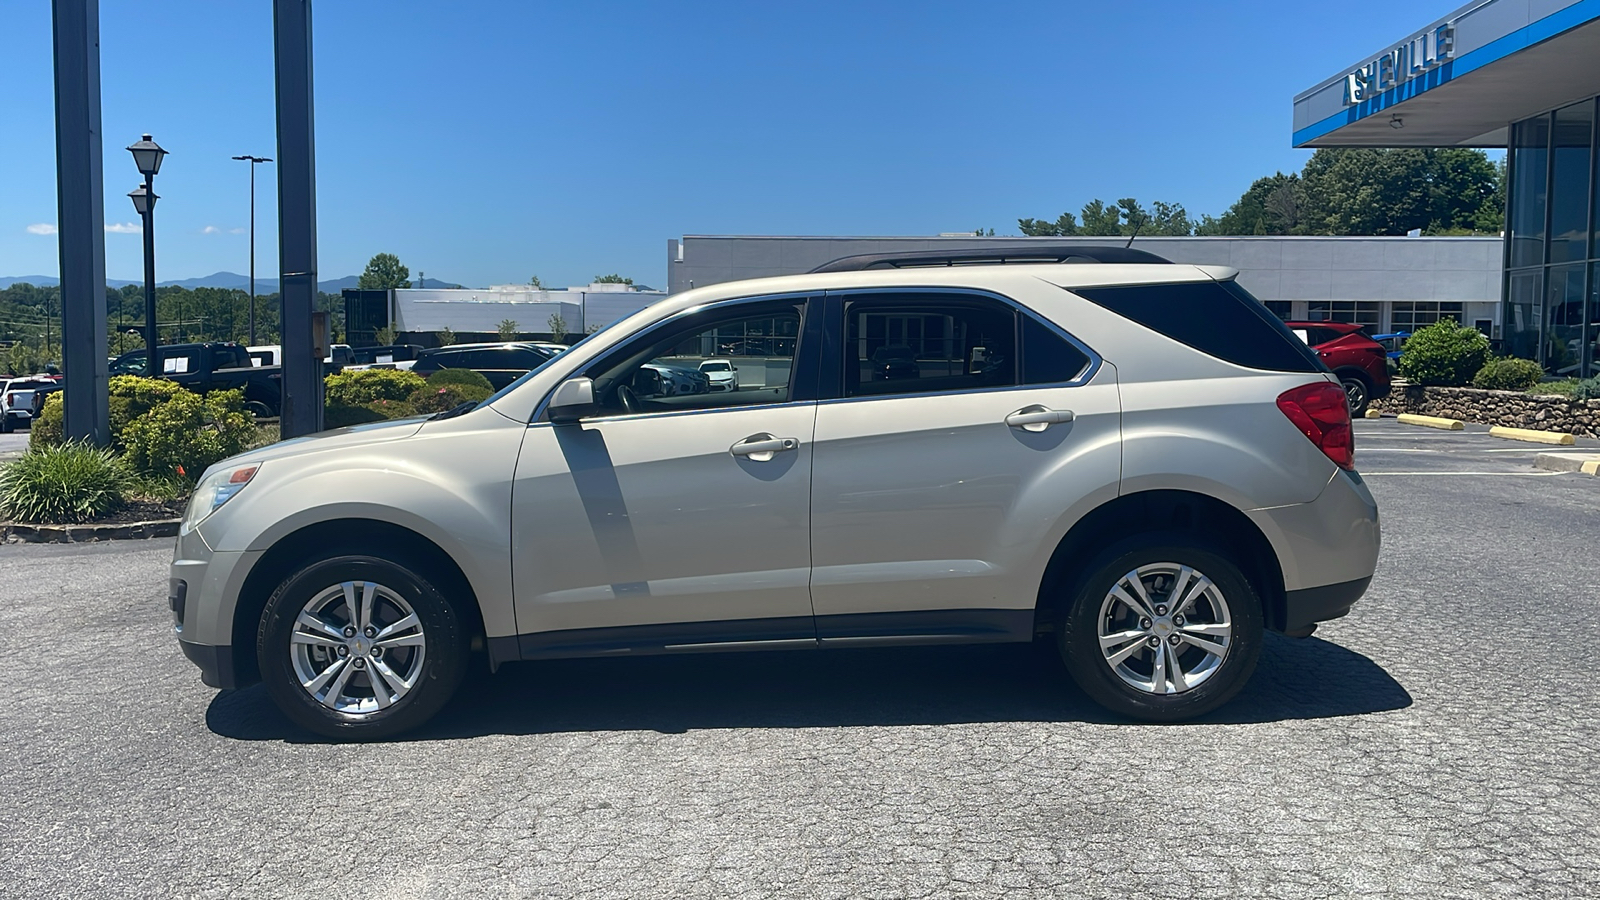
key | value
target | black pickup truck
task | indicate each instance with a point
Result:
(212, 366)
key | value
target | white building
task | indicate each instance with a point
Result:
(467, 310)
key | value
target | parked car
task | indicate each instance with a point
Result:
(212, 366)
(339, 356)
(391, 356)
(1393, 345)
(16, 400)
(1360, 363)
(720, 374)
(501, 363)
(1159, 472)
(42, 393)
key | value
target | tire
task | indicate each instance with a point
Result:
(1226, 615)
(5, 424)
(1357, 392)
(258, 409)
(303, 666)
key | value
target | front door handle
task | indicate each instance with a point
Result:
(1037, 418)
(762, 447)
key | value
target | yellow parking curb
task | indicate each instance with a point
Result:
(1592, 467)
(1374, 414)
(1528, 434)
(1430, 422)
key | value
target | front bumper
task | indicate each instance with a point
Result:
(204, 589)
(216, 664)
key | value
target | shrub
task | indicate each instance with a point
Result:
(187, 433)
(1587, 389)
(465, 377)
(50, 429)
(69, 482)
(432, 399)
(345, 416)
(367, 385)
(1443, 354)
(1508, 375)
(390, 409)
(128, 398)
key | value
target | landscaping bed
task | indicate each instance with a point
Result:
(1512, 409)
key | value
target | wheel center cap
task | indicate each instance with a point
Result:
(1163, 627)
(360, 646)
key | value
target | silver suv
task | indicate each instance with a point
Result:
(1131, 457)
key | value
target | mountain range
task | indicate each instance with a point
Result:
(230, 280)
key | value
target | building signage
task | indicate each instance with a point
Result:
(1415, 57)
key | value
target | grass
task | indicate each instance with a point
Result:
(70, 482)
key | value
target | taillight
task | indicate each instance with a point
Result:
(1322, 414)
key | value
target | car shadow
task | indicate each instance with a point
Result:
(1308, 679)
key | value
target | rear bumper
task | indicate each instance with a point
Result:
(1327, 551)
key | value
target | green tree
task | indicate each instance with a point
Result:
(507, 329)
(446, 337)
(384, 272)
(558, 327)
(1100, 219)
(535, 283)
(384, 336)
(612, 279)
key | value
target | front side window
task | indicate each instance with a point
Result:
(661, 371)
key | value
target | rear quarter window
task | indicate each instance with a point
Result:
(1218, 319)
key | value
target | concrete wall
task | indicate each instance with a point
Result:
(466, 310)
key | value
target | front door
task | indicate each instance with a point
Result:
(946, 461)
(674, 518)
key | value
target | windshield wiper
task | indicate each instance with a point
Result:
(451, 413)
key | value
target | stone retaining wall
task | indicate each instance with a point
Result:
(1509, 408)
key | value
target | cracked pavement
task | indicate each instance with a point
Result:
(1437, 743)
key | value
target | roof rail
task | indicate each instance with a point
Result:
(1013, 255)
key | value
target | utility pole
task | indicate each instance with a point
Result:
(254, 161)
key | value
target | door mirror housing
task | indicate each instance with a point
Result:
(572, 400)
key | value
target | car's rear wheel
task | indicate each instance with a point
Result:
(358, 647)
(258, 409)
(1357, 393)
(1162, 629)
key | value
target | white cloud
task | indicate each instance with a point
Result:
(218, 229)
(42, 228)
(124, 228)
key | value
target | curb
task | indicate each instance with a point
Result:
(1528, 434)
(1374, 414)
(1431, 422)
(84, 534)
(1586, 463)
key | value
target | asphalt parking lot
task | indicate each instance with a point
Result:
(1439, 742)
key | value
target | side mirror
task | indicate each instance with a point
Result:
(573, 400)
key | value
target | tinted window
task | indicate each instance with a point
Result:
(1218, 319)
(1047, 357)
(916, 345)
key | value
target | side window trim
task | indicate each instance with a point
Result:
(833, 361)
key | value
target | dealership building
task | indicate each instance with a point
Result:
(1522, 75)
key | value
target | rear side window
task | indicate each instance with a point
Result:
(1219, 319)
(1047, 357)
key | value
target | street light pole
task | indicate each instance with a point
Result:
(253, 160)
(147, 156)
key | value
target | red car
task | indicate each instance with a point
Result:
(1360, 362)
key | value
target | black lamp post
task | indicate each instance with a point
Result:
(147, 155)
(253, 161)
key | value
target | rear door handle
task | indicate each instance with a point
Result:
(1037, 418)
(762, 447)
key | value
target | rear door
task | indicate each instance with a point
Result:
(937, 479)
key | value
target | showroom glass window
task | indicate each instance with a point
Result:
(1553, 241)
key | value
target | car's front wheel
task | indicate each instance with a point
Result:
(1162, 629)
(358, 647)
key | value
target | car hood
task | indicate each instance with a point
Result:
(337, 439)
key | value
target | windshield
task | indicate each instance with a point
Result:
(714, 367)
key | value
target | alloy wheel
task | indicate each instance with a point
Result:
(357, 647)
(1165, 628)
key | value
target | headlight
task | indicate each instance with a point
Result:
(214, 490)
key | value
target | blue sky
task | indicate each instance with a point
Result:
(485, 142)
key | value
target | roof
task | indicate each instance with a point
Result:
(1460, 79)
